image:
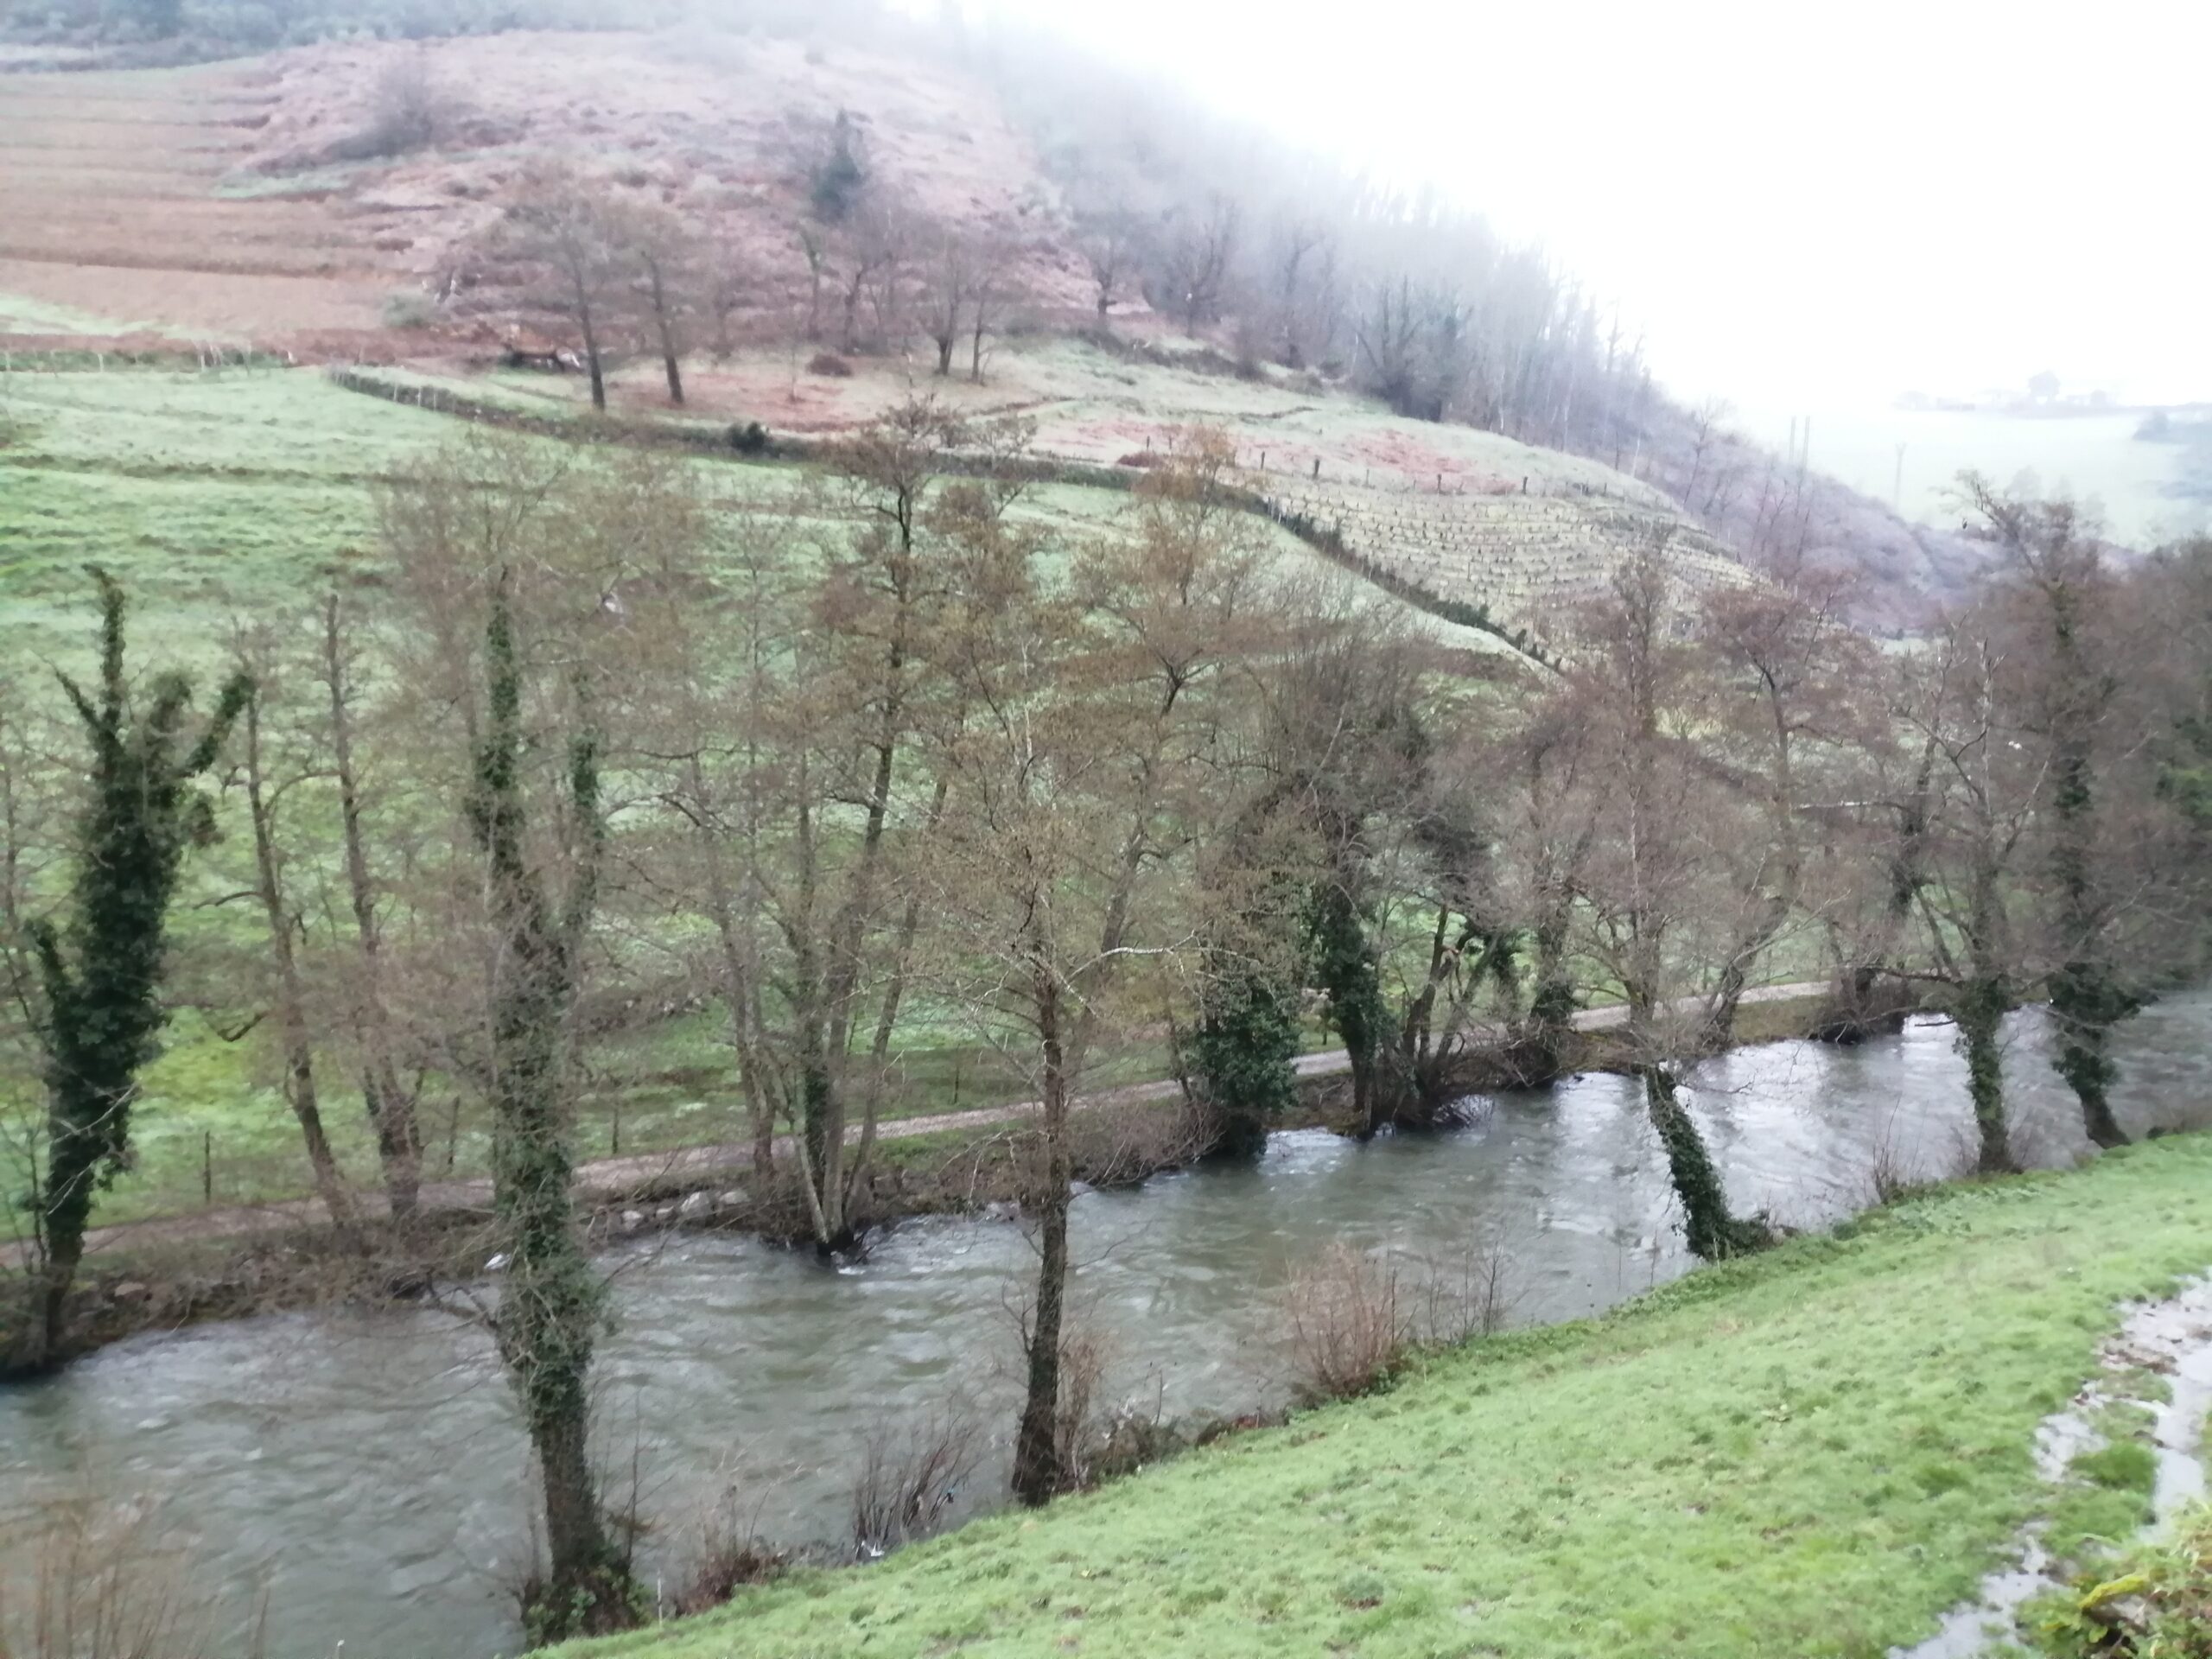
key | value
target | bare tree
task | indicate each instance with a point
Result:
(1796, 668)
(1302, 246)
(812, 246)
(670, 283)
(874, 270)
(1199, 261)
(2063, 599)
(997, 287)
(1983, 791)
(951, 282)
(566, 227)
(392, 1105)
(1110, 249)
(1662, 904)
(265, 789)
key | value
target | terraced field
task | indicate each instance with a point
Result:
(121, 215)
(1526, 559)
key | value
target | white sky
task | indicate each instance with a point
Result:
(1809, 206)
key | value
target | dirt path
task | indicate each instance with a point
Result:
(608, 1179)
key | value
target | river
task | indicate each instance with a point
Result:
(361, 1472)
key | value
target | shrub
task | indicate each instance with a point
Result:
(410, 109)
(907, 1485)
(1472, 1294)
(727, 1555)
(1346, 1331)
(828, 363)
(88, 1581)
(750, 438)
(841, 175)
(410, 308)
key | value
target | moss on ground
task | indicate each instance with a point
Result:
(1809, 1453)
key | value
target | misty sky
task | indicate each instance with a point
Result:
(1802, 204)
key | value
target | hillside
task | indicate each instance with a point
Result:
(261, 203)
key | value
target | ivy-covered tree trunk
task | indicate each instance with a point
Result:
(1711, 1232)
(1981, 1006)
(101, 972)
(551, 1302)
(1344, 967)
(2086, 997)
(1037, 1472)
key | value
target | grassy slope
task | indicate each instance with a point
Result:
(1812, 1453)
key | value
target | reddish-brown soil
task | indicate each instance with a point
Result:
(217, 199)
(112, 203)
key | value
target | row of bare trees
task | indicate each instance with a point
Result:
(904, 754)
(619, 273)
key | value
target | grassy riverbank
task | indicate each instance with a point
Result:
(1810, 1453)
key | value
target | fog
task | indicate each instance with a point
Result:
(1810, 208)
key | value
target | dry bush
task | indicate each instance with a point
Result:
(1120, 1145)
(1346, 1324)
(410, 108)
(828, 363)
(725, 1554)
(908, 1483)
(87, 1580)
(1083, 1357)
(1890, 1176)
(1472, 1294)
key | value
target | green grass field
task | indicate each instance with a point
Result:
(1808, 1454)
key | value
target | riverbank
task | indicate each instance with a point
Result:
(233, 1263)
(1814, 1452)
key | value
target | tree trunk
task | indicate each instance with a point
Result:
(852, 316)
(291, 1009)
(944, 355)
(2088, 1069)
(661, 327)
(392, 1110)
(550, 1300)
(68, 1203)
(2087, 995)
(1037, 1472)
(1981, 1006)
(1713, 1233)
(1542, 1048)
(737, 981)
(827, 1036)
(591, 359)
(1346, 967)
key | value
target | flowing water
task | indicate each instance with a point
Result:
(362, 1475)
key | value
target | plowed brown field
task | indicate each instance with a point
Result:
(119, 216)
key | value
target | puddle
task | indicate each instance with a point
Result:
(2171, 1337)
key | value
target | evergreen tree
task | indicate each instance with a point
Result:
(100, 970)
